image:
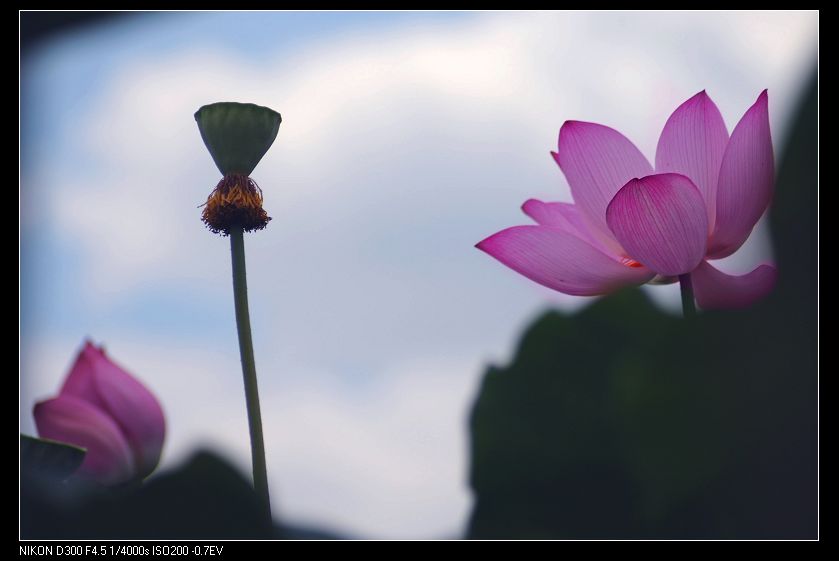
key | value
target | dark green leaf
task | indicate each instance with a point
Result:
(204, 498)
(42, 457)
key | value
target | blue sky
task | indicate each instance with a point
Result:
(406, 138)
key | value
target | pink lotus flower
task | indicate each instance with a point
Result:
(107, 411)
(631, 223)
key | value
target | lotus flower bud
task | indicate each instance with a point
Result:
(105, 410)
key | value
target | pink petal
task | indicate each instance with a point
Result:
(693, 143)
(662, 223)
(561, 261)
(716, 290)
(561, 215)
(597, 161)
(68, 419)
(747, 178)
(566, 217)
(80, 382)
(97, 380)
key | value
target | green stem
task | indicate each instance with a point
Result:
(688, 304)
(243, 326)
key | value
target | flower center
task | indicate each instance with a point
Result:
(236, 202)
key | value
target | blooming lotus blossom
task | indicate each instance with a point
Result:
(108, 412)
(631, 223)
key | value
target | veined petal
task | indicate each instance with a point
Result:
(597, 161)
(565, 216)
(661, 221)
(99, 381)
(72, 420)
(693, 143)
(716, 290)
(561, 261)
(746, 181)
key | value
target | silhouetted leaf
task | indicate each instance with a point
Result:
(42, 457)
(205, 498)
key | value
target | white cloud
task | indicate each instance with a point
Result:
(398, 151)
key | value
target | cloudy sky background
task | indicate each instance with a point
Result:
(406, 138)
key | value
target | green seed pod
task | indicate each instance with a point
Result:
(237, 134)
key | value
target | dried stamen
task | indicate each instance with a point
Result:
(236, 202)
